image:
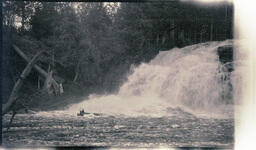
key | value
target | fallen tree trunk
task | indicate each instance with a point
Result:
(38, 69)
(19, 83)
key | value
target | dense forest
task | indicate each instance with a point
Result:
(91, 47)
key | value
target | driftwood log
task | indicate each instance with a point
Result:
(37, 68)
(19, 83)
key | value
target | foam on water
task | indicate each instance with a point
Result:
(189, 78)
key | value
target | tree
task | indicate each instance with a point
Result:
(44, 20)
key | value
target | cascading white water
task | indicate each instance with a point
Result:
(188, 78)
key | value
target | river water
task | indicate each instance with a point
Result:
(179, 130)
(181, 98)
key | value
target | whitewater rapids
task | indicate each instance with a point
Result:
(187, 78)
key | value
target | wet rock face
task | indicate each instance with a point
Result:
(225, 54)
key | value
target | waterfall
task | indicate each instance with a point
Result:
(192, 79)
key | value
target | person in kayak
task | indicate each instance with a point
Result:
(81, 113)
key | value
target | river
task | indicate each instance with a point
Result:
(184, 97)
